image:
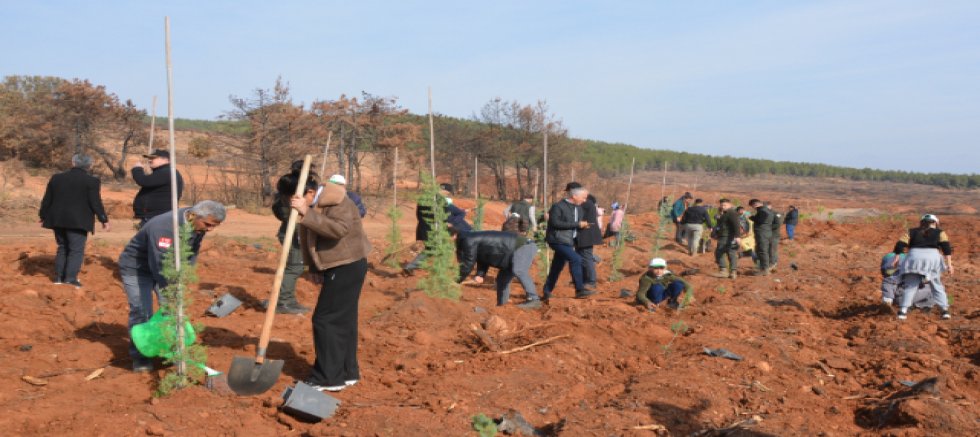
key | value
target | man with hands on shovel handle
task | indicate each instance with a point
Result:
(335, 248)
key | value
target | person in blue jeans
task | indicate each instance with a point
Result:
(565, 220)
(659, 284)
(792, 218)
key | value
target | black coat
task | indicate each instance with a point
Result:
(486, 249)
(563, 219)
(153, 198)
(792, 217)
(72, 200)
(763, 220)
(455, 217)
(591, 235)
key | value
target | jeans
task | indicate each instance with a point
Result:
(693, 233)
(520, 267)
(727, 247)
(564, 253)
(71, 253)
(335, 324)
(140, 288)
(588, 265)
(790, 231)
(910, 285)
(657, 292)
(294, 269)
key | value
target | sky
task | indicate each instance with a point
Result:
(881, 84)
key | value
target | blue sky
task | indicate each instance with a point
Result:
(882, 84)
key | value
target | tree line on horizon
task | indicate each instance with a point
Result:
(43, 120)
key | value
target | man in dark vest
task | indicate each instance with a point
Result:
(525, 209)
(153, 197)
(762, 226)
(70, 202)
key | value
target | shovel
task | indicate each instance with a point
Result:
(252, 376)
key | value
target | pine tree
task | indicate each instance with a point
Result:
(440, 263)
(174, 296)
(394, 238)
(478, 214)
(619, 246)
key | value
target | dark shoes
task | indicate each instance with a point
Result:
(584, 293)
(74, 283)
(292, 307)
(142, 365)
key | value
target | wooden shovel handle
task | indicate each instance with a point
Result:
(287, 242)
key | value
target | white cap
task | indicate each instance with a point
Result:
(658, 262)
(337, 179)
(929, 218)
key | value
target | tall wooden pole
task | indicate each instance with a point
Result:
(476, 177)
(629, 187)
(544, 190)
(663, 184)
(432, 139)
(537, 180)
(326, 152)
(153, 125)
(181, 347)
(394, 181)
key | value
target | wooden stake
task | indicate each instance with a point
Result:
(181, 364)
(537, 178)
(153, 125)
(326, 152)
(663, 184)
(394, 181)
(476, 177)
(629, 187)
(432, 139)
(544, 190)
(537, 343)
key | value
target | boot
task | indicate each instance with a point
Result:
(722, 273)
(733, 274)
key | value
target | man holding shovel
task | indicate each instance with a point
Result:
(140, 263)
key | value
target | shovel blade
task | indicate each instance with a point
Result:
(247, 378)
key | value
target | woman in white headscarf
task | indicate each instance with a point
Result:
(930, 254)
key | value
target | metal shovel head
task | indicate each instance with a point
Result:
(247, 378)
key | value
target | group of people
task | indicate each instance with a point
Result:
(332, 246)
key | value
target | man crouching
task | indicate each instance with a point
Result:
(512, 254)
(658, 284)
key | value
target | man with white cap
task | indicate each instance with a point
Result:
(659, 284)
(341, 180)
(930, 253)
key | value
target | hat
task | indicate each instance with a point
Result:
(158, 153)
(337, 179)
(572, 185)
(929, 218)
(615, 205)
(446, 187)
(658, 262)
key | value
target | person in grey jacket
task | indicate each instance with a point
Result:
(140, 262)
(565, 220)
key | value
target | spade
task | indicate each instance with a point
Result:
(252, 376)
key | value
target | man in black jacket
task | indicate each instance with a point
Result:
(153, 197)
(565, 221)
(762, 226)
(512, 254)
(70, 202)
(792, 218)
(728, 241)
(694, 219)
(587, 238)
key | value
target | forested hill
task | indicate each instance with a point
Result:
(611, 159)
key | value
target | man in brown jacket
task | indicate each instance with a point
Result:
(335, 248)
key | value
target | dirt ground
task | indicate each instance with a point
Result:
(821, 355)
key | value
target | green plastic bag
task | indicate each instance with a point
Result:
(150, 340)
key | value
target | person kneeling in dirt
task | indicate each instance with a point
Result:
(924, 263)
(512, 254)
(659, 284)
(335, 248)
(891, 281)
(140, 262)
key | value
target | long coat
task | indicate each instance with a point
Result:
(72, 200)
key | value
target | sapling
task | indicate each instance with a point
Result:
(175, 293)
(440, 249)
(394, 237)
(617, 256)
(478, 214)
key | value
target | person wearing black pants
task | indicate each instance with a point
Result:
(335, 249)
(71, 202)
(335, 325)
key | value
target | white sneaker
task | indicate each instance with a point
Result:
(903, 314)
(332, 388)
(946, 315)
(350, 382)
(887, 300)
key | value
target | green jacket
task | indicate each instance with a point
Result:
(648, 280)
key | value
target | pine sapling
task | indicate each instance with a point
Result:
(175, 298)
(478, 214)
(440, 249)
(619, 246)
(394, 238)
